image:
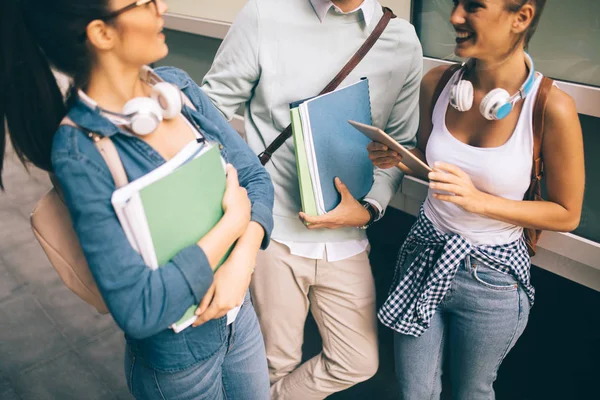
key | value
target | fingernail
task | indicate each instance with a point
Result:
(437, 164)
(431, 175)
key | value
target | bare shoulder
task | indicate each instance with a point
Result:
(561, 113)
(561, 107)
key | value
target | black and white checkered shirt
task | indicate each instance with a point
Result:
(417, 292)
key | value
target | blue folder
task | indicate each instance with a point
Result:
(341, 150)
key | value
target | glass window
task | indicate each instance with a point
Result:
(589, 226)
(566, 45)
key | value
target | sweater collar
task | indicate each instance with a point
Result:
(322, 7)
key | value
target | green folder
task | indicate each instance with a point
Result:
(183, 207)
(307, 194)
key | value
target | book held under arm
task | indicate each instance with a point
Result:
(173, 207)
(328, 147)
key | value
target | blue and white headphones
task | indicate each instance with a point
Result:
(498, 103)
(142, 115)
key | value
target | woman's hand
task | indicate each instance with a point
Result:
(229, 287)
(236, 204)
(349, 213)
(382, 157)
(459, 187)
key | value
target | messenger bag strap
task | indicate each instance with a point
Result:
(388, 14)
(109, 153)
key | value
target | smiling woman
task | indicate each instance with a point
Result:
(481, 128)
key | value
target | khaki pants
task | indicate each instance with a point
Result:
(341, 297)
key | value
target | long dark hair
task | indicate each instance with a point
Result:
(35, 34)
(516, 5)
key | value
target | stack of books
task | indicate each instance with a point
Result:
(326, 146)
(173, 207)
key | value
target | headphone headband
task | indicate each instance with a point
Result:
(142, 115)
(498, 103)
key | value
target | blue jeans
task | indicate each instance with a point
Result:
(475, 326)
(237, 371)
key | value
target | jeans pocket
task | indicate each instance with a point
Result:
(493, 279)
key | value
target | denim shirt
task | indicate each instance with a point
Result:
(143, 302)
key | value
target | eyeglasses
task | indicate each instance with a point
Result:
(138, 3)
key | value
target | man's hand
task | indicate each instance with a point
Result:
(349, 213)
(382, 156)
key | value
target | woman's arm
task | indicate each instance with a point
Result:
(562, 150)
(252, 175)
(233, 277)
(142, 301)
(233, 224)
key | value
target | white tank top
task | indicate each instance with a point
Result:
(503, 171)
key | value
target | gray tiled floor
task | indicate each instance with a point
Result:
(52, 344)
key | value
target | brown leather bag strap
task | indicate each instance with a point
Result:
(388, 14)
(446, 76)
(539, 113)
(109, 153)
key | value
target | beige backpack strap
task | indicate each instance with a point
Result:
(109, 153)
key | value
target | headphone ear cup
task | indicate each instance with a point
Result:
(168, 97)
(495, 105)
(144, 113)
(461, 95)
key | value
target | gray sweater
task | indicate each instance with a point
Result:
(278, 52)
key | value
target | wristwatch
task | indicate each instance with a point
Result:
(373, 213)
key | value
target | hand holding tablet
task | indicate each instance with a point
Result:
(418, 167)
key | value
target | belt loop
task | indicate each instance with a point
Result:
(467, 262)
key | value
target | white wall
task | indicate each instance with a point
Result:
(226, 10)
(216, 10)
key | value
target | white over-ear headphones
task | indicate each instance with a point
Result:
(498, 103)
(142, 115)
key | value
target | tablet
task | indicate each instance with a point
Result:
(409, 159)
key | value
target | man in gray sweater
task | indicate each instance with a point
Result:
(275, 53)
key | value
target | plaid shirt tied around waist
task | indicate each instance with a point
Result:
(417, 292)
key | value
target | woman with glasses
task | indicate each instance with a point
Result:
(462, 291)
(104, 46)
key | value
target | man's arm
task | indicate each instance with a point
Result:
(402, 125)
(235, 69)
